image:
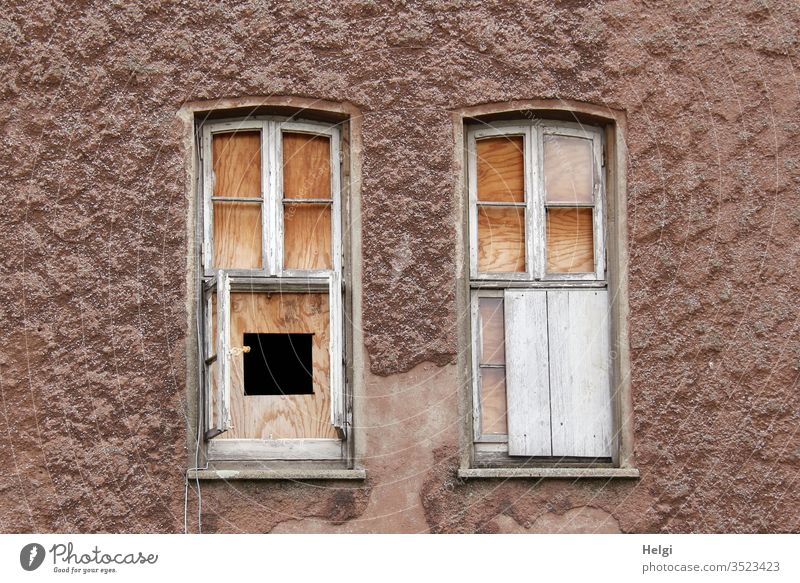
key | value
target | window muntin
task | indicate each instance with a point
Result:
(274, 269)
(541, 374)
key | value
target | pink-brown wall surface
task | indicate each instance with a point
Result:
(95, 216)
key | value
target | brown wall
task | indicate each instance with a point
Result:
(93, 291)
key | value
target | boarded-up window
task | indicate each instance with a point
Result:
(559, 392)
(541, 337)
(272, 291)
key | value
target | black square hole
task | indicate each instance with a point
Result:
(278, 364)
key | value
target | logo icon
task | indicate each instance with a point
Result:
(31, 556)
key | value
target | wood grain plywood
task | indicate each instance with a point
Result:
(501, 239)
(237, 235)
(289, 416)
(306, 166)
(236, 159)
(501, 169)
(570, 246)
(493, 401)
(307, 236)
(568, 169)
(493, 341)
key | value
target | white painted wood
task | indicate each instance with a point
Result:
(527, 379)
(336, 352)
(498, 129)
(477, 343)
(274, 449)
(223, 351)
(209, 351)
(208, 189)
(266, 177)
(580, 389)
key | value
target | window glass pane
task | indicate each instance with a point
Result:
(237, 235)
(306, 166)
(236, 161)
(493, 350)
(307, 236)
(501, 169)
(570, 247)
(493, 401)
(568, 169)
(501, 239)
(281, 416)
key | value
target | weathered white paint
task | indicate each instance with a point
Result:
(580, 389)
(527, 379)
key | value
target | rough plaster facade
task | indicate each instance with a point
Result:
(93, 294)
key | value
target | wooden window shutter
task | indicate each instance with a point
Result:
(580, 388)
(527, 373)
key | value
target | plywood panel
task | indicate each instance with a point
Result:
(568, 169)
(528, 379)
(570, 247)
(493, 401)
(307, 236)
(237, 235)
(493, 340)
(306, 166)
(236, 160)
(501, 169)
(579, 373)
(291, 416)
(501, 239)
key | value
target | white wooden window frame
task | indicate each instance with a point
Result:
(535, 204)
(271, 276)
(535, 276)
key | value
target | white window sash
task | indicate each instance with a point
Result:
(271, 276)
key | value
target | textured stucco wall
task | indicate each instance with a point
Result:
(93, 292)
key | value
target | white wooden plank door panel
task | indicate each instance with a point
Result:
(527, 373)
(580, 386)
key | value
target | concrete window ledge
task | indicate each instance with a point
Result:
(310, 474)
(570, 473)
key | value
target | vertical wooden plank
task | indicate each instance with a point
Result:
(527, 377)
(579, 373)
(501, 169)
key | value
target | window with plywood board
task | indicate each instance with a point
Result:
(272, 290)
(540, 328)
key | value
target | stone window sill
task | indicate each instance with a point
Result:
(278, 474)
(564, 473)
